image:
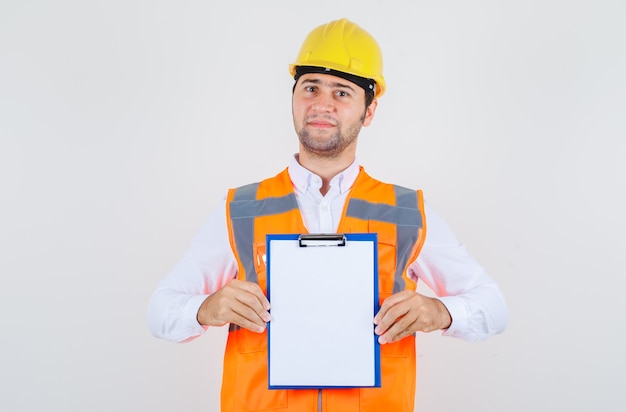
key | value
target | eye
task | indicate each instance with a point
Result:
(341, 93)
(310, 89)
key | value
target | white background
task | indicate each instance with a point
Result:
(122, 124)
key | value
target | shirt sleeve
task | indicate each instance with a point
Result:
(472, 297)
(207, 266)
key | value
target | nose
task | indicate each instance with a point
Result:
(324, 103)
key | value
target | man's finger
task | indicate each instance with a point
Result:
(256, 291)
(389, 303)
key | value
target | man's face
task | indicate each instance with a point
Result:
(328, 113)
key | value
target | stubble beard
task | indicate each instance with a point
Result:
(332, 146)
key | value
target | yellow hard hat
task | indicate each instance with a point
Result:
(343, 46)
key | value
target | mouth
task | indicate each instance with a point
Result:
(321, 123)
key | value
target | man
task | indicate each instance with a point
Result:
(221, 280)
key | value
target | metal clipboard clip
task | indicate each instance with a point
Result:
(322, 239)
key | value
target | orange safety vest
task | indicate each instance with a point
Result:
(396, 214)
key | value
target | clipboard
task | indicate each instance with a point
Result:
(323, 292)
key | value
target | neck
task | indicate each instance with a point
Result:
(325, 167)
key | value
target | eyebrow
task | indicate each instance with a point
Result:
(332, 84)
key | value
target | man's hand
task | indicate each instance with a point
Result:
(407, 312)
(239, 302)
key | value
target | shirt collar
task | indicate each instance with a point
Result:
(303, 178)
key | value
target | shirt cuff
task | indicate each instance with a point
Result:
(190, 315)
(458, 312)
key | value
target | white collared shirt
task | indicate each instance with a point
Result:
(474, 300)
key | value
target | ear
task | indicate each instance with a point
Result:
(369, 113)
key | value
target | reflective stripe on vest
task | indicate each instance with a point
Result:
(243, 209)
(405, 215)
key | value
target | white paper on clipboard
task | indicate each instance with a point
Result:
(323, 300)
